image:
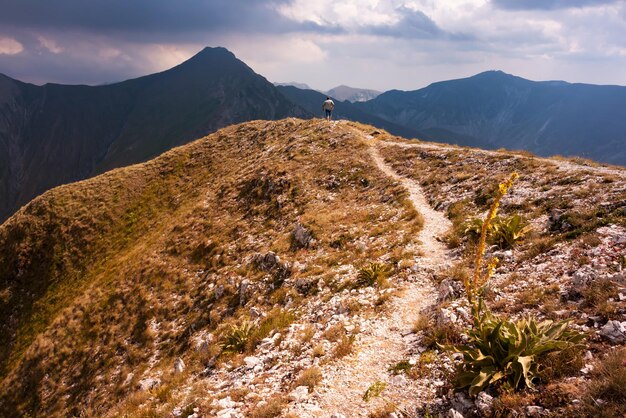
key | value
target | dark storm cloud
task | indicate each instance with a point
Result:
(413, 24)
(548, 4)
(163, 17)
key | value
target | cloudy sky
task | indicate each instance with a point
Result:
(381, 44)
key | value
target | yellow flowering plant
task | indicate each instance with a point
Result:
(501, 351)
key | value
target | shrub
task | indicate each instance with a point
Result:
(372, 274)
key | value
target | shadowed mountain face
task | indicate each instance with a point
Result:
(54, 134)
(494, 110)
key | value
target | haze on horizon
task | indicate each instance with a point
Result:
(403, 44)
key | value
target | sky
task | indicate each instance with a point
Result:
(379, 44)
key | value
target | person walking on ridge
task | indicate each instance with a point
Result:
(328, 107)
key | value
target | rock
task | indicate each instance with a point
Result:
(337, 415)
(226, 403)
(453, 413)
(244, 292)
(219, 291)
(535, 411)
(614, 332)
(461, 402)
(271, 263)
(252, 362)
(228, 413)
(449, 290)
(149, 383)
(446, 317)
(306, 285)
(179, 365)
(583, 276)
(300, 237)
(484, 403)
(299, 394)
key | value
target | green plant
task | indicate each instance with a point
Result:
(372, 274)
(237, 337)
(503, 232)
(502, 351)
(506, 351)
(374, 390)
(509, 231)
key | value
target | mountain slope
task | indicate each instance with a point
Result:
(352, 94)
(53, 134)
(494, 110)
(106, 281)
(232, 276)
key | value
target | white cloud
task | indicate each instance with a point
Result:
(9, 46)
(49, 44)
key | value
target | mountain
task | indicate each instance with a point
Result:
(284, 268)
(54, 134)
(494, 110)
(295, 84)
(352, 94)
(312, 100)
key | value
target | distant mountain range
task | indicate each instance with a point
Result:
(340, 93)
(495, 110)
(54, 134)
(352, 94)
(302, 86)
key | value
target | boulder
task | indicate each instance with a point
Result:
(614, 332)
(300, 237)
(179, 365)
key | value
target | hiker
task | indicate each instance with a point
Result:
(328, 107)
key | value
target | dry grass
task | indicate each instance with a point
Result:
(309, 377)
(606, 393)
(271, 408)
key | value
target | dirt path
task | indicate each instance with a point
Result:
(387, 339)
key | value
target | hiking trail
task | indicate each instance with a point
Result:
(387, 338)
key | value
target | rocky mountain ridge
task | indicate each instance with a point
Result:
(235, 276)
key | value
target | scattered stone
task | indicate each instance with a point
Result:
(614, 332)
(453, 413)
(449, 290)
(306, 285)
(535, 411)
(149, 383)
(252, 362)
(300, 237)
(484, 403)
(179, 365)
(244, 292)
(461, 402)
(583, 277)
(299, 394)
(226, 403)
